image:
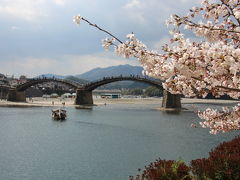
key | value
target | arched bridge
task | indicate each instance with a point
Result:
(17, 94)
(84, 92)
(106, 80)
(35, 81)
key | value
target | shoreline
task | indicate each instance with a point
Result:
(68, 102)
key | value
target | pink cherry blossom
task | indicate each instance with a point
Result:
(196, 68)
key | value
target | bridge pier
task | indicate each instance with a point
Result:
(16, 96)
(3, 92)
(83, 97)
(171, 100)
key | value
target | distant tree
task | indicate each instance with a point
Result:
(153, 91)
(135, 91)
(76, 79)
(195, 68)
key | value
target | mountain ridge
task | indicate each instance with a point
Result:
(98, 73)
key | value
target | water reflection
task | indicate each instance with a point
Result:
(84, 107)
(59, 120)
(175, 112)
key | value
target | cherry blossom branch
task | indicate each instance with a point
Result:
(191, 23)
(222, 87)
(223, 121)
(231, 10)
(231, 89)
(99, 28)
(78, 18)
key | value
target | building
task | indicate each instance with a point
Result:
(107, 93)
(111, 96)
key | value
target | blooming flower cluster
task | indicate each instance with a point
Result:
(209, 65)
(77, 19)
(221, 121)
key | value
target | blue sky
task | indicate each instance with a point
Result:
(39, 36)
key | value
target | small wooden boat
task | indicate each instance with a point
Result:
(59, 114)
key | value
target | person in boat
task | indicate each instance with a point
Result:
(59, 114)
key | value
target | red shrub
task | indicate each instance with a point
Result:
(223, 162)
(164, 170)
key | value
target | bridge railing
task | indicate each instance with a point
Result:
(45, 79)
(131, 77)
(55, 79)
(119, 77)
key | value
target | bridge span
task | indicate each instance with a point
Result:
(84, 91)
(84, 94)
(17, 93)
(35, 81)
(106, 80)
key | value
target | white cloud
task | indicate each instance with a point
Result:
(80, 64)
(23, 9)
(135, 11)
(157, 45)
(156, 11)
(133, 4)
(143, 11)
(138, 17)
(144, 17)
(67, 65)
(14, 28)
(185, 1)
(27, 9)
(27, 66)
(59, 2)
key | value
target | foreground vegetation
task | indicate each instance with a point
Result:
(223, 163)
(149, 92)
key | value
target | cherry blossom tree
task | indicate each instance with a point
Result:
(210, 64)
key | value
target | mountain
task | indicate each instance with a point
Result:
(76, 79)
(99, 73)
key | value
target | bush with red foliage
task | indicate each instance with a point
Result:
(223, 162)
(165, 170)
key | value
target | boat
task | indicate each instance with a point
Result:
(59, 114)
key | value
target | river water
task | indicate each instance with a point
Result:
(104, 143)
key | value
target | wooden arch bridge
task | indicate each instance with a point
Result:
(84, 91)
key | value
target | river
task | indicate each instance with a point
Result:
(104, 143)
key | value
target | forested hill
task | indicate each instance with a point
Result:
(98, 73)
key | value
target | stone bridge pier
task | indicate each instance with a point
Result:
(3, 92)
(83, 97)
(16, 96)
(171, 100)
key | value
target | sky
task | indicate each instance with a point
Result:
(39, 36)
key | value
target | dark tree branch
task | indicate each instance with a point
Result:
(96, 26)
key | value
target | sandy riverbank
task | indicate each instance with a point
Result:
(39, 102)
